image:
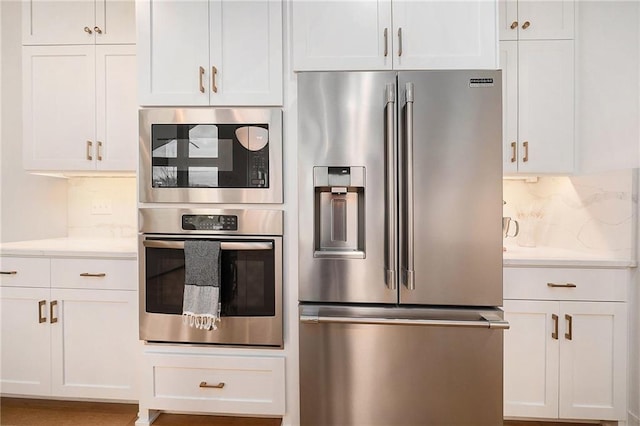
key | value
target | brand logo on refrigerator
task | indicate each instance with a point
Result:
(481, 82)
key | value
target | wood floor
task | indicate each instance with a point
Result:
(38, 412)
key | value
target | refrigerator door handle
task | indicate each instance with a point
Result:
(487, 321)
(391, 254)
(409, 279)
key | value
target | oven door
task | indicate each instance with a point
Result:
(250, 291)
(210, 155)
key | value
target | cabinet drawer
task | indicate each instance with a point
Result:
(24, 271)
(566, 284)
(245, 385)
(94, 274)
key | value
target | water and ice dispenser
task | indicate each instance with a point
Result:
(339, 212)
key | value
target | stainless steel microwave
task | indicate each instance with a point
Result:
(210, 155)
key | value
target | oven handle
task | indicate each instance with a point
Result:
(235, 245)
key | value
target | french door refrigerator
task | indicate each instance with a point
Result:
(400, 248)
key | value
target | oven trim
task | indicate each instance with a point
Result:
(270, 116)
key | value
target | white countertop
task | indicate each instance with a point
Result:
(550, 256)
(74, 247)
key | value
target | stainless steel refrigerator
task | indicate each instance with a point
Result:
(400, 248)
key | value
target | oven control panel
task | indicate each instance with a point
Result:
(209, 222)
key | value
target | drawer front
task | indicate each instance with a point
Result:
(566, 284)
(108, 274)
(217, 384)
(24, 271)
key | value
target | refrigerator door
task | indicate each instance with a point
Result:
(451, 187)
(391, 366)
(347, 187)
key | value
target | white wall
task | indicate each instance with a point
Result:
(32, 207)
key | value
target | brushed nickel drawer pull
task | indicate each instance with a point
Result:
(513, 152)
(567, 285)
(525, 144)
(386, 42)
(206, 385)
(99, 151)
(89, 149)
(88, 274)
(554, 335)
(400, 41)
(569, 334)
(201, 74)
(214, 73)
(41, 304)
(53, 319)
(8, 272)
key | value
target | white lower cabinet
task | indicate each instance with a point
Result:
(565, 358)
(68, 342)
(195, 379)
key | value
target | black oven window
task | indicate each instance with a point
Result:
(210, 155)
(247, 283)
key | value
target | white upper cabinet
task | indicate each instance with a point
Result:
(536, 19)
(189, 55)
(362, 35)
(79, 108)
(78, 22)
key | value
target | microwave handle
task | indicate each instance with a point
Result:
(235, 245)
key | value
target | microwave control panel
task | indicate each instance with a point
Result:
(209, 222)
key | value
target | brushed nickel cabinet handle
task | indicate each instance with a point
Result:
(89, 274)
(201, 73)
(206, 385)
(89, 149)
(526, 25)
(97, 30)
(400, 41)
(8, 272)
(569, 334)
(88, 30)
(513, 152)
(52, 319)
(214, 72)
(525, 145)
(567, 285)
(41, 304)
(514, 25)
(386, 42)
(554, 335)
(99, 151)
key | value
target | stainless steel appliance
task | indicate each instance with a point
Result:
(400, 248)
(210, 155)
(250, 277)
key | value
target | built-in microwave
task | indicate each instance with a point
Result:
(210, 155)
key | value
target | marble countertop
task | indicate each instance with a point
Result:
(74, 247)
(550, 256)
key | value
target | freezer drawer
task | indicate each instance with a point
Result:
(395, 366)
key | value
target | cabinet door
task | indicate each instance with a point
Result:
(116, 108)
(548, 19)
(546, 106)
(508, 19)
(342, 35)
(25, 338)
(116, 20)
(94, 343)
(58, 107)
(58, 22)
(246, 52)
(445, 34)
(531, 350)
(173, 52)
(593, 359)
(509, 66)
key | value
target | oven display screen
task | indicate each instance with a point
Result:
(193, 222)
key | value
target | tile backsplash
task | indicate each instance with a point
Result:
(104, 207)
(592, 214)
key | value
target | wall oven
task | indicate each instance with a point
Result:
(210, 155)
(250, 275)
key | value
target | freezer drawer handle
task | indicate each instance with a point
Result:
(207, 385)
(487, 322)
(223, 246)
